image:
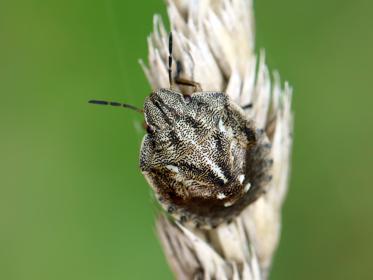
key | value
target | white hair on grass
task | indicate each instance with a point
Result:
(214, 41)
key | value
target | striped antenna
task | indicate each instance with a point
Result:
(116, 104)
(170, 59)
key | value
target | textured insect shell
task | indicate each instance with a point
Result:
(203, 157)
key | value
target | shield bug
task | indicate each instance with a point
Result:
(204, 159)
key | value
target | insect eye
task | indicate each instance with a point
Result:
(187, 98)
(149, 129)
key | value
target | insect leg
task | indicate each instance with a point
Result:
(185, 82)
(247, 106)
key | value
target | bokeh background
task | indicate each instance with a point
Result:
(73, 204)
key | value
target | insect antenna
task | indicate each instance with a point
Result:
(179, 69)
(116, 104)
(170, 59)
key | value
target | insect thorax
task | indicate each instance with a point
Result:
(203, 158)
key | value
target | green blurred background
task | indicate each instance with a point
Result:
(73, 204)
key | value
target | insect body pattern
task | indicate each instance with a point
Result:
(205, 161)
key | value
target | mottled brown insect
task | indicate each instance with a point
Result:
(202, 157)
